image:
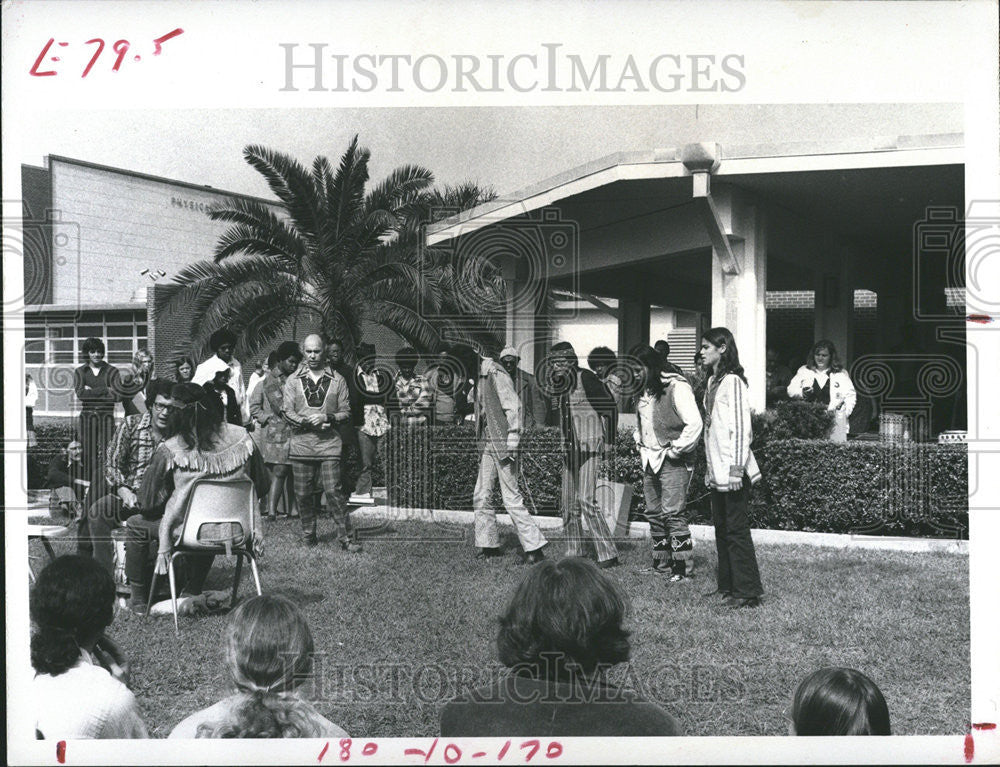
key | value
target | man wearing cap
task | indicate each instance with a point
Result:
(498, 429)
(222, 343)
(533, 406)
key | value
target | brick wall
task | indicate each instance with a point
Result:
(791, 323)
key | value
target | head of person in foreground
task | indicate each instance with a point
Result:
(564, 620)
(268, 654)
(72, 603)
(838, 701)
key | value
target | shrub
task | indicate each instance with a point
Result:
(811, 485)
(52, 434)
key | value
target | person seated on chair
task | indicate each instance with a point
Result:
(128, 456)
(66, 478)
(202, 445)
(79, 689)
(560, 634)
(269, 654)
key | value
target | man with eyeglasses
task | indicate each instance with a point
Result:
(127, 459)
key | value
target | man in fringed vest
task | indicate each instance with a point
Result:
(315, 401)
(498, 428)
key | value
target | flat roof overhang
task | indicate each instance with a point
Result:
(632, 208)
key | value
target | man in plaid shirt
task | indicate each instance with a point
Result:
(127, 458)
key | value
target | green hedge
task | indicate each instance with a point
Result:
(810, 485)
(916, 489)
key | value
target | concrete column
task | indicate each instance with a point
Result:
(834, 290)
(738, 299)
(633, 321)
(525, 329)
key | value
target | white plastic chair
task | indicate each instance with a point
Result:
(218, 519)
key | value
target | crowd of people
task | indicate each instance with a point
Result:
(305, 406)
(561, 633)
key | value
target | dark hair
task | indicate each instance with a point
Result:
(273, 358)
(158, 387)
(665, 345)
(835, 364)
(407, 357)
(71, 605)
(197, 415)
(601, 355)
(221, 337)
(177, 368)
(93, 345)
(652, 363)
(566, 346)
(288, 349)
(730, 359)
(839, 701)
(269, 652)
(563, 615)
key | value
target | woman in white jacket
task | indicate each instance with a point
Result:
(730, 469)
(823, 379)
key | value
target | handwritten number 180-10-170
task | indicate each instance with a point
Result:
(120, 47)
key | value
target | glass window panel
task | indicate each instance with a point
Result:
(120, 345)
(37, 331)
(86, 331)
(119, 358)
(119, 331)
(119, 316)
(60, 331)
(141, 330)
(34, 357)
(62, 345)
(63, 358)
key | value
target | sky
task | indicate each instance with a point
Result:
(507, 148)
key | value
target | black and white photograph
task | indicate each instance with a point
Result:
(545, 392)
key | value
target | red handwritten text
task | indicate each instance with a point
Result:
(44, 65)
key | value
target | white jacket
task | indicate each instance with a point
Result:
(842, 393)
(728, 433)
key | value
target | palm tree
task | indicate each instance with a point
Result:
(335, 255)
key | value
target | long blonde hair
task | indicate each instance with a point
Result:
(269, 653)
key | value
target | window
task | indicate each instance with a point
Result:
(53, 348)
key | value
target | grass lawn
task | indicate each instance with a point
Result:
(403, 626)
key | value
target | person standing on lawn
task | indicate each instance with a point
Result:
(412, 394)
(588, 418)
(275, 441)
(315, 400)
(128, 457)
(668, 426)
(222, 343)
(498, 429)
(533, 407)
(730, 469)
(347, 429)
(98, 389)
(374, 385)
